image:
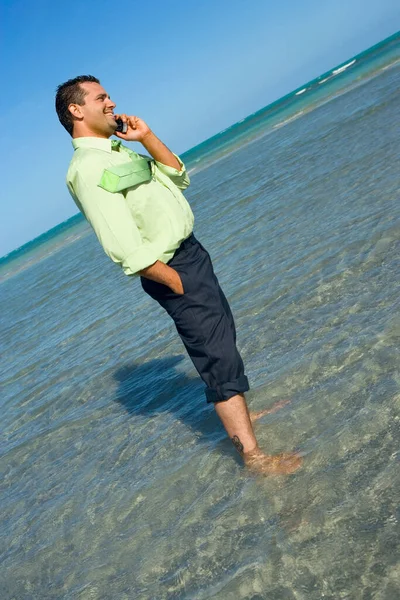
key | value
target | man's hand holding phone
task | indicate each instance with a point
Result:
(131, 129)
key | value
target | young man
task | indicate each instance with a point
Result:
(135, 205)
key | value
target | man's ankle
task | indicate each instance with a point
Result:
(252, 453)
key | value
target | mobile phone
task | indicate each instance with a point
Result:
(121, 126)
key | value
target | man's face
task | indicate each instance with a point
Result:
(97, 112)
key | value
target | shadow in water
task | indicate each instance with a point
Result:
(157, 386)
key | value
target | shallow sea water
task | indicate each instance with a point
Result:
(117, 479)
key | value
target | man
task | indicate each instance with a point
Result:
(135, 205)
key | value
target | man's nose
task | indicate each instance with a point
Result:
(111, 104)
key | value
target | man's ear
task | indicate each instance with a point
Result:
(76, 111)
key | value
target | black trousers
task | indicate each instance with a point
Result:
(203, 320)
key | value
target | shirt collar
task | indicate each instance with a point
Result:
(92, 142)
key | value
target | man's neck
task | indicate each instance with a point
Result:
(80, 134)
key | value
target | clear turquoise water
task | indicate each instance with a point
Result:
(117, 481)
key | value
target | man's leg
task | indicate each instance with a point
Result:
(235, 418)
(205, 324)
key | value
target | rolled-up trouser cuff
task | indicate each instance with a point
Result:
(228, 390)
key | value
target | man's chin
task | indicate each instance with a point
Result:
(112, 122)
(112, 127)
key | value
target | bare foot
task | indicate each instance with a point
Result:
(278, 464)
(254, 416)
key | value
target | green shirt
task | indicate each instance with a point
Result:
(138, 224)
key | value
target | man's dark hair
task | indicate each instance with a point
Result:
(68, 93)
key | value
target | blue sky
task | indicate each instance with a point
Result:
(189, 69)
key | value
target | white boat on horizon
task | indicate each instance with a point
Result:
(341, 69)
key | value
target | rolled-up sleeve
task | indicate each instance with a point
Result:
(179, 177)
(112, 222)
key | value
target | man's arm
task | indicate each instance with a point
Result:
(159, 151)
(116, 229)
(164, 274)
(139, 131)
